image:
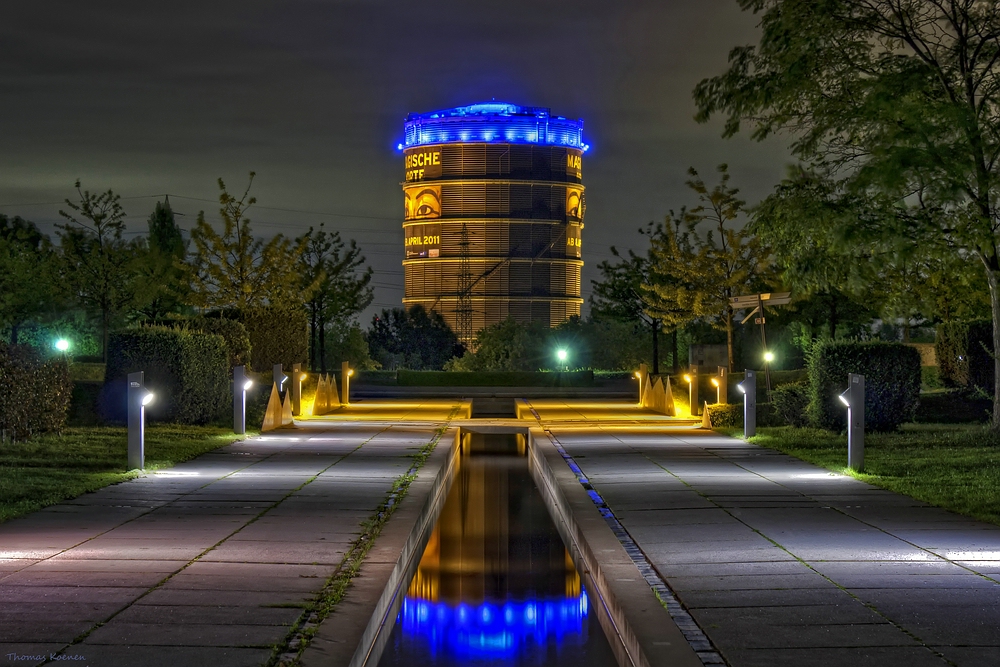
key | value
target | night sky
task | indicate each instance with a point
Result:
(152, 98)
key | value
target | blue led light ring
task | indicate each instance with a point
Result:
(492, 122)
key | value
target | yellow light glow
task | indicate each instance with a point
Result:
(638, 375)
(350, 372)
(769, 357)
(305, 376)
(687, 378)
(715, 383)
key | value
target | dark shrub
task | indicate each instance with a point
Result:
(34, 394)
(187, 370)
(892, 383)
(731, 415)
(790, 402)
(233, 332)
(278, 335)
(965, 354)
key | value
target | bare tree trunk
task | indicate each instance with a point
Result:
(322, 346)
(673, 352)
(729, 338)
(992, 276)
(656, 347)
(105, 317)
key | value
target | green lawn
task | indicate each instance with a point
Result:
(955, 466)
(52, 468)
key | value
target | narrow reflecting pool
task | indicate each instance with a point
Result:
(496, 585)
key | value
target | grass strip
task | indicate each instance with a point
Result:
(52, 468)
(289, 652)
(954, 466)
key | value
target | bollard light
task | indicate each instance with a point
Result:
(241, 384)
(692, 380)
(296, 389)
(854, 398)
(718, 390)
(138, 398)
(749, 390)
(638, 376)
(345, 383)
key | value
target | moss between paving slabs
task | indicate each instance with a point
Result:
(954, 466)
(52, 468)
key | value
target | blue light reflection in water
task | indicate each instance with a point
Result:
(490, 630)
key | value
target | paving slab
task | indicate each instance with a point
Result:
(784, 563)
(209, 562)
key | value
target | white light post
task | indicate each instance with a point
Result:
(240, 386)
(138, 399)
(854, 398)
(749, 390)
(279, 377)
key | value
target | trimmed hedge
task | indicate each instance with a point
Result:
(892, 383)
(790, 402)
(187, 370)
(965, 354)
(278, 335)
(406, 378)
(36, 393)
(233, 332)
(731, 415)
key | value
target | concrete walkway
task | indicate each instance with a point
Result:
(208, 563)
(783, 563)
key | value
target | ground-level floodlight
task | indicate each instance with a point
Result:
(241, 383)
(749, 390)
(692, 380)
(297, 389)
(62, 345)
(854, 398)
(138, 398)
(345, 382)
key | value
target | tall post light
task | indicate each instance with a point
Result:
(241, 383)
(692, 379)
(297, 376)
(345, 382)
(138, 398)
(723, 376)
(854, 398)
(279, 377)
(749, 390)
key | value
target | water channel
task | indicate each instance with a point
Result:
(495, 584)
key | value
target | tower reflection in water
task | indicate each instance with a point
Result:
(495, 584)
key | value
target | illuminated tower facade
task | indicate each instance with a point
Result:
(494, 205)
